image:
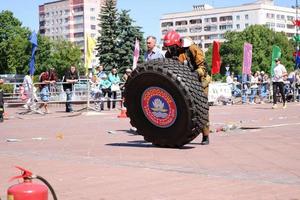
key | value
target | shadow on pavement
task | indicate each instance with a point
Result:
(142, 144)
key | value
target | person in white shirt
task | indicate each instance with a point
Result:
(152, 52)
(280, 74)
(28, 91)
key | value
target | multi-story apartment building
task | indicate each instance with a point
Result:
(71, 20)
(204, 24)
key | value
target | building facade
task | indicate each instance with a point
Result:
(71, 20)
(204, 24)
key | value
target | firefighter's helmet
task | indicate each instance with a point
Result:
(172, 38)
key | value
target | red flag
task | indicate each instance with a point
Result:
(216, 60)
(136, 53)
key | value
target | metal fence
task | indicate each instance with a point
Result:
(81, 94)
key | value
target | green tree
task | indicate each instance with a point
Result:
(64, 54)
(107, 42)
(14, 45)
(127, 34)
(262, 40)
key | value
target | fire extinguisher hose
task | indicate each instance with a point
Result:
(48, 185)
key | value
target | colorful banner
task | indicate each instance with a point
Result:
(247, 59)
(136, 53)
(90, 45)
(216, 59)
(276, 53)
(34, 41)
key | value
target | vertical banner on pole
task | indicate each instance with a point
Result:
(34, 41)
(247, 59)
(276, 53)
(136, 53)
(90, 45)
(216, 60)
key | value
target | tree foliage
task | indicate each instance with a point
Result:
(107, 42)
(127, 34)
(115, 45)
(14, 44)
(60, 55)
(15, 49)
(262, 40)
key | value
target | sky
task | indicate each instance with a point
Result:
(146, 13)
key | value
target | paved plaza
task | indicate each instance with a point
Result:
(96, 156)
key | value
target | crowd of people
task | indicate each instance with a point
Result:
(258, 86)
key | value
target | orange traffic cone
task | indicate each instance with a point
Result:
(123, 113)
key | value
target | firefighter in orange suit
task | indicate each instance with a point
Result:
(186, 51)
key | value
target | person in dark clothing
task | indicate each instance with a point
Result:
(71, 77)
(46, 79)
(1, 102)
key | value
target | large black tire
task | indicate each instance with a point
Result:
(166, 103)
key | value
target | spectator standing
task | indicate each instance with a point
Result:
(236, 88)
(126, 75)
(96, 91)
(297, 85)
(105, 85)
(71, 77)
(46, 78)
(114, 78)
(253, 87)
(153, 52)
(264, 85)
(27, 93)
(278, 82)
(99, 72)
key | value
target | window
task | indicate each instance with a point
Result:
(238, 26)
(181, 30)
(290, 26)
(77, 35)
(212, 19)
(210, 28)
(225, 27)
(93, 27)
(78, 9)
(280, 25)
(78, 18)
(196, 29)
(78, 26)
(247, 16)
(181, 23)
(290, 18)
(238, 17)
(195, 21)
(166, 24)
(42, 23)
(225, 18)
(246, 25)
(92, 18)
(92, 9)
(270, 24)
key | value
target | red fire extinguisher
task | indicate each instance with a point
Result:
(28, 190)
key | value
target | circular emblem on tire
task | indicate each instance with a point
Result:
(159, 107)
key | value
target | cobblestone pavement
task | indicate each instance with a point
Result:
(95, 156)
